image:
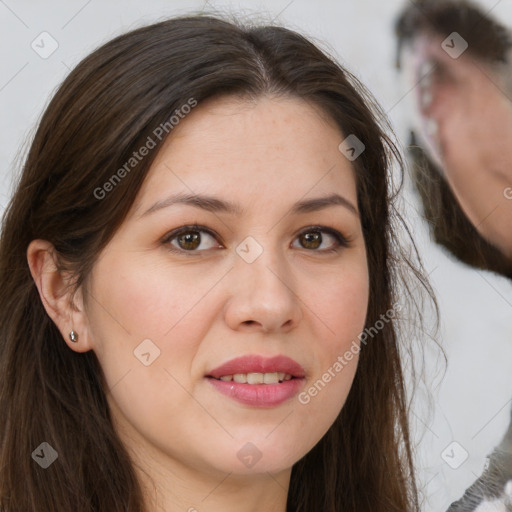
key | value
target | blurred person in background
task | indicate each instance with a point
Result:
(458, 60)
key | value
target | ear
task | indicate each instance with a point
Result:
(63, 307)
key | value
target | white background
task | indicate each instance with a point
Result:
(471, 404)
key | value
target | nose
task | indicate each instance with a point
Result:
(263, 295)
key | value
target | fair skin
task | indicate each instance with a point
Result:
(205, 308)
(466, 120)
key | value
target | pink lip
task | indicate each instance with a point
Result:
(259, 395)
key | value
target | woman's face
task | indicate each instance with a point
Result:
(284, 276)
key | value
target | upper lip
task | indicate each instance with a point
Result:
(258, 364)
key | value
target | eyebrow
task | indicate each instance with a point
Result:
(216, 205)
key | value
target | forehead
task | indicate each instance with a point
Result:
(269, 146)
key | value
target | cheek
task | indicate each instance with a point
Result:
(150, 300)
(345, 305)
(341, 305)
(340, 313)
(139, 302)
(141, 309)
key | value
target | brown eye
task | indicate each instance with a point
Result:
(191, 239)
(311, 240)
(314, 237)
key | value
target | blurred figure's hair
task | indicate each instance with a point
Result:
(487, 39)
(448, 223)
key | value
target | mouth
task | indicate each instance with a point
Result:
(258, 381)
(257, 378)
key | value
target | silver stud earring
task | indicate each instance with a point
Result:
(73, 336)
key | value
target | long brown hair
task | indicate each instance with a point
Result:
(104, 111)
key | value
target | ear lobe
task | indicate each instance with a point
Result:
(56, 292)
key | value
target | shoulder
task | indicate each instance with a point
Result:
(492, 492)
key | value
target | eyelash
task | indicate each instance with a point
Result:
(340, 240)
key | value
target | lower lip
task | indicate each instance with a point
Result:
(259, 395)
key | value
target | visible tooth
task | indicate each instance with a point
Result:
(255, 378)
(270, 378)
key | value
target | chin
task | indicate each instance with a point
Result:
(257, 455)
